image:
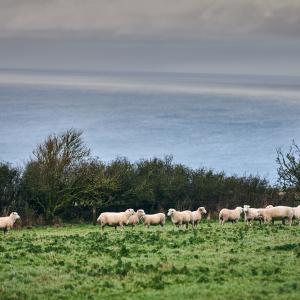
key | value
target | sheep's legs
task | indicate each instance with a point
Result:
(102, 227)
(178, 225)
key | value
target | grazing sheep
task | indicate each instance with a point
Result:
(115, 219)
(232, 215)
(7, 223)
(155, 219)
(181, 217)
(297, 213)
(277, 213)
(135, 218)
(251, 214)
(197, 215)
(269, 206)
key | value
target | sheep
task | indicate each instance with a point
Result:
(251, 214)
(232, 215)
(7, 223)
(135, 218)
(115, 219)
(181, 217)
(276, 213)
(155, 219)
(269, 206)
(197, 215)
(297, 213)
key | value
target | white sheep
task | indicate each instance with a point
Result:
(154, 219)
(180, 218)
(251, 214)
(115, 218)
(269, 206)
(135, 218)
(197, 215)
(277, 213)
(7, 223)
(296, 211)
(232, 215)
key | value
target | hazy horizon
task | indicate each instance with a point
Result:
(227, 123)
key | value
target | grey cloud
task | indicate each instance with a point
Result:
(218, 36)
(147, 19)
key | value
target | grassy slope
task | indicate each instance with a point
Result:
(76, 262)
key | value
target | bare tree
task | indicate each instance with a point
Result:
(289, 167)
(50, 177)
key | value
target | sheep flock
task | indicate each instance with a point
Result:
(187, 217)
(184, 218)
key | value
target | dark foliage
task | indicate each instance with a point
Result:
(63, 182)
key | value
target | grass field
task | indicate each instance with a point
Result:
(76, 262)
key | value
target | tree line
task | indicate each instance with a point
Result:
(62, 181)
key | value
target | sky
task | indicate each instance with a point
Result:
(202, 36)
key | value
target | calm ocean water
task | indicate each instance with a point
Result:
(226, 123)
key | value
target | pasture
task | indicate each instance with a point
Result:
(211, 262)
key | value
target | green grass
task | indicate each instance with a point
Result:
(211, 262)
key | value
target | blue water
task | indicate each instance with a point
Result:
(236, 129)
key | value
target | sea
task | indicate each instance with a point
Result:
(231, 123)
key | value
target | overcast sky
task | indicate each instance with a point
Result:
(225, 36)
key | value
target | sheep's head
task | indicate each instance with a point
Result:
(246, 208)
(239, 209)
(171, 211)
(140, 213)
(15, 216)
(202, 210)
(269, 206)
(129, 211)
